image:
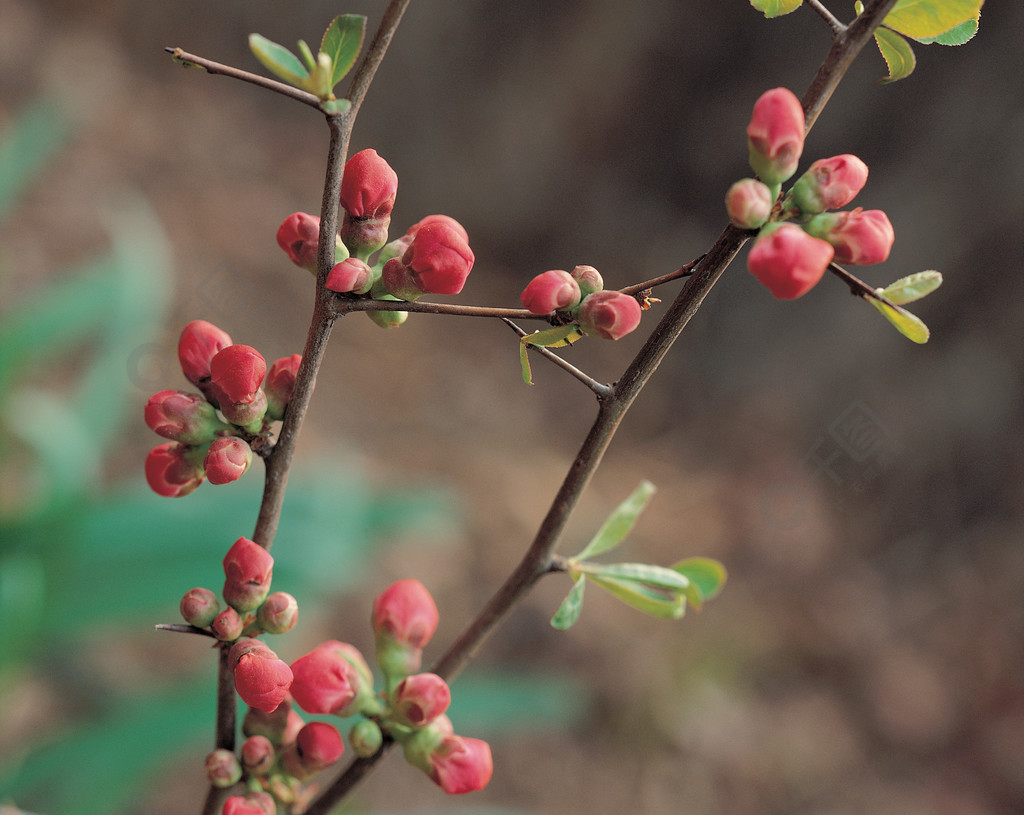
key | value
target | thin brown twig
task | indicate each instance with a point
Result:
(184, 629)
(211, 67)
(598, 388)
(858, 287)
(836, 26)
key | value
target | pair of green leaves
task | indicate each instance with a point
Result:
(946, 22)
(556, 337)
(655, 590)
(339, 48)
(907, 290)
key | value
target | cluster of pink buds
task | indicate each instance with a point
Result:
(580, 297)
(432, 257)
(211, 431)
(798, 236)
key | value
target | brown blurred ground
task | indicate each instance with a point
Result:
(865, 493)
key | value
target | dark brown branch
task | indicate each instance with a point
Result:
(184, 629)
(216, 68)
(343, 305)
(858, 287)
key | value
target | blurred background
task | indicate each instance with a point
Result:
(865, 493)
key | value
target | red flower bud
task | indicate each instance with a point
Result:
(439, 258)
(788, 261)
(405, 612)
(298, 236)
(550, 291)
(589, 280)
(253, 803)
(461, 765)
(608, 314)
(829, 183)
(437, 219)
(258, 755)
(261, 679)
(775, 135)
(352, 275)
(330, 679)
(223, 769)
(419, 699)
(368, 186)
(228, 459)
(248, 568)
(749, 203)
(199, 606)
(228, 625)
(279, 613)
(859, 237)
(197, 345)
(280, 383)
(184, 417)
(237, 372)
(316, 748)
(171, 472)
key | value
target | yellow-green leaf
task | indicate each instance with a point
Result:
(663, 603)
(776, 8)
(278, 60)
(706, 574)
(896, 52)
(618, 524)
(906, 323)
(930, 18)
(569, 612)
(912, 287)
(957, 35)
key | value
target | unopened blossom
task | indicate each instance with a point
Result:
(199, 606)
(198, 344)
(350, 276)
(223, 769)
(317, 746)
(298, 236)
(228, 625)
(588, 278)
(279, 613)
(228, 459)
(237, 373)
(258, 755)
(419, 699)
(549, 291)
(368, 186)
(261, 679)
(749, 203)
(279, 384)
(775, 135)
(788, 261)
(829, 183)
(405, 612)
(460, 765)
(253, 803)
(172, 470)
(184, 417)
(332, 678)
(248, 569)
(439, 259)
(608, 314)
(859, 237)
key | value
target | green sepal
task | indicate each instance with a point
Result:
(776, 8)
(706, 576)
(912, 287)
(897, 53)
(618, 524)
(342, 42)
(658, 602)
(910, 326)
(569, 612)
(924, 19)
(278, 60)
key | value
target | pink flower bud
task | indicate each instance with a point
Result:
(248, 569)
(280, 383)
(829, 183)
(258, 755)
(550, 291)
(199, 606)
(184, 417)
(228, 625)
(608, 314)
(859, 237)
(405, 612)
(331, 679)
(439, 259)
(749, 203)
(223, 769)
(228, 459)
(237, 372)
(419, 699)
(279, 613)
(171, 472)
(261, 679)
(589, 280)
(298, 236)
(316, 748)
(280, 726)
(198, 344)
(461, 765)
(368, 186)
(775, 135)
(788, 261)
(352, 275)
(398, 279)
(437, 219)
(253, 803)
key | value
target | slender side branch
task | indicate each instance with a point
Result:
(212, 67)
(858, 287)
(682, 271)
(344, 305)
(836, 26)
(598, 388)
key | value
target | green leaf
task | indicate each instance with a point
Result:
(524, 364)
(707, 576)
(555, 337)
(655, 576)
(957, 35)
(619, 522)
(776, 8)
(661, 603)
(912, 287)
(318, 82)
(930, 18)
(906, 323)
(342, 42)
(307, 56)
(278, 60)
(897, 53)
(569, 612)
